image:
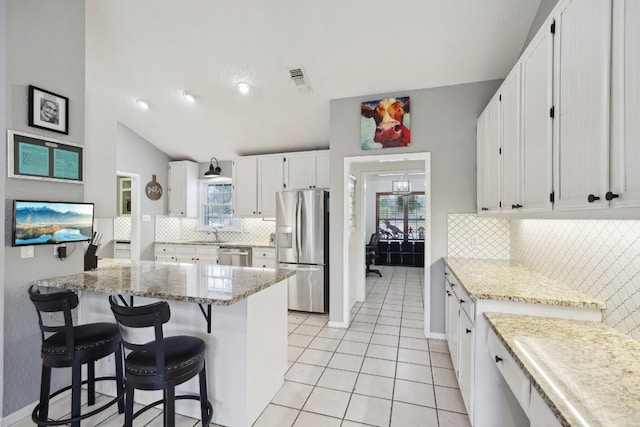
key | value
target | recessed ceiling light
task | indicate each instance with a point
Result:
(191, 97)
(143, 103)
(244, 88)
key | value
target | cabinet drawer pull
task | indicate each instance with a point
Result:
(498, 359)
(516, 206)
(462, 301)
(610, 196)
(591, 198)
(468, 330)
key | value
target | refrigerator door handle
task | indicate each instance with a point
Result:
(298, 227)
(298, 267)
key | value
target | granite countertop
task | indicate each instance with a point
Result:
(200, 283)
(508, 281)
(587, 372)
(217, 243)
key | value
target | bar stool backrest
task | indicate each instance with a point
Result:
(144, 316)
(56, 302)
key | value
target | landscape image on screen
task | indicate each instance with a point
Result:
(45, 222)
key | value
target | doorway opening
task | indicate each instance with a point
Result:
(127, 242)
(411, 234)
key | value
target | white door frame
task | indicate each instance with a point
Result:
(135, 213)
(360, 250)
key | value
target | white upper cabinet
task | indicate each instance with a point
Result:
(322, 169)
(183, 189)
(566, 117)
(306, 170)
(270, 182)
(493, 161)
(481, 140)
(582, 103)
(511, 142)
(245, 186)
(256, 180)
(536, 122)
(625, 105)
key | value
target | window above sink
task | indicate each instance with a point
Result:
(216, 206)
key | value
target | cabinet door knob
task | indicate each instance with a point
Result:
(516, 206)
(448, 293)
(610, 196)
(591, 198)
(468, 330)
(462, 301)
(498, 359)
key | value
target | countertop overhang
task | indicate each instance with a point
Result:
(200, 283)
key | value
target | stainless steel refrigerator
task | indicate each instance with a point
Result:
(302, 241)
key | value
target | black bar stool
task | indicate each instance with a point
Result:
(161, 364)
(66, 346)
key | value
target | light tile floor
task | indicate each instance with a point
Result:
(379, 372)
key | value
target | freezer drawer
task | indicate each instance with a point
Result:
(308, 292)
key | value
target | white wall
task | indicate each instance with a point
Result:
(443, 122)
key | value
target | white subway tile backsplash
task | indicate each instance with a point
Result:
(471, 237)
(600, 258)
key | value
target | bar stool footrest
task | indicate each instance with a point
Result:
(46, 423)
(179, 397)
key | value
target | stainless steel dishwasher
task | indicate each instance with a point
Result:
(235, 255)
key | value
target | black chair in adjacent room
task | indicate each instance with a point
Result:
(371, 253)
(161, 364)
(64, 346)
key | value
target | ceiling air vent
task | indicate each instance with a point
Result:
(300, 80)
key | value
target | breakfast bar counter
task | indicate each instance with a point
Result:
(246, 309)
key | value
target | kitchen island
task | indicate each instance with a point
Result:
(246, 309)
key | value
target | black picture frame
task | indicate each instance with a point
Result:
(48, 110)
(37, 157)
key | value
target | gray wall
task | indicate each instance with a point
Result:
(545, 8)
(44, 47)
(3, 162)
(443, 122)
(135, 154)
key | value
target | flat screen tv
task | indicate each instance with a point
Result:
(41, 223)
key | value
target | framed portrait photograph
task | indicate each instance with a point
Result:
(48, 110)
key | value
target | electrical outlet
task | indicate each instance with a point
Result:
(474, 242)
(146, 218)
(27, 252)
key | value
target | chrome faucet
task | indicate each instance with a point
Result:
(215, 233)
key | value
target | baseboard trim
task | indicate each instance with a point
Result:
(437, 336)
(19, 414)
(341, 325)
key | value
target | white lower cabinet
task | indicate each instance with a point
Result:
(495, 391)
(540, 414)
(189, 254)
(460, 336)
(263, 257)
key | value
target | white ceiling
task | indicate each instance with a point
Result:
(156, 49)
